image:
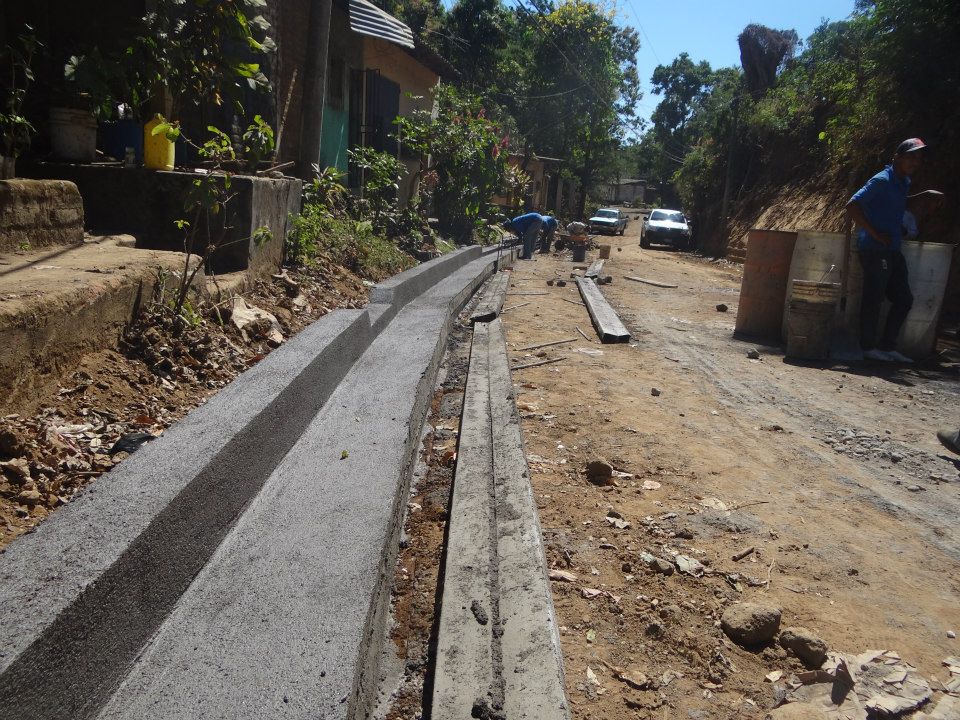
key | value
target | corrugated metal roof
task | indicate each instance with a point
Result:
(367, 19)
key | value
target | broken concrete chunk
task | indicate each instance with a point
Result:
(252, 322)
(689, 565)
(750, 624)
(800, 641)
(562, 576)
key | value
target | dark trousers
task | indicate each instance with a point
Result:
(884, 276)
(530, 239)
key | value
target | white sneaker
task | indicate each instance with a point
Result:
(875, 354)
(898, 356)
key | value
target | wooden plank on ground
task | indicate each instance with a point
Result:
(607, 323)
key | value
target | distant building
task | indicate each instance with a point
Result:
(627, 190)
(548, 191)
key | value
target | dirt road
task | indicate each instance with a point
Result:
(833, 475)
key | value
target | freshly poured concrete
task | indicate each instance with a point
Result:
(498, 651)
(240, 541)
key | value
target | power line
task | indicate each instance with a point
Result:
(644, 32)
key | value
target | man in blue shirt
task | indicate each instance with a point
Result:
(549, 228)
(877, 208)
(527, 227)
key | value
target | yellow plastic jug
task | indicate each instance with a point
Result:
(158, 152)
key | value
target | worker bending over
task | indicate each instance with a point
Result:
(527, 228)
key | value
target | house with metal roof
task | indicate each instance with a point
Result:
(375, 72)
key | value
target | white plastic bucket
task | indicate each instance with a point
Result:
(817, 257)
(928, 270)
(928, 267)
(73, 134)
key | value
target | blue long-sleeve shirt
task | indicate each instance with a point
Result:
(520, 223)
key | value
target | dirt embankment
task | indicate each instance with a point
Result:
(113, 400)
(810, 205)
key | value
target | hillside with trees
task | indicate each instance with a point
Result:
(787, 135)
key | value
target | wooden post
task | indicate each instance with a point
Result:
(314, 87)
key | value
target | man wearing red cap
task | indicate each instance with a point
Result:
(877, 208)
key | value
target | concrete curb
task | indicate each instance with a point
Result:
(491, 303)
(607, 323)
(402, 288)
(80, 597)
(498, 650)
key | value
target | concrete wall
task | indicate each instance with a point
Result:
(145, 204)
(39, 213)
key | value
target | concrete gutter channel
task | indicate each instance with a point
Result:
(240, 565)
(498, 649)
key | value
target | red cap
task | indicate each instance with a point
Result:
(911, 145)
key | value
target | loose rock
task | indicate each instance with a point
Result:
(750, 624)
(811, 650)
(753, 354)
(722, 308)
(11, 444)
(600, 472)
(655, 392)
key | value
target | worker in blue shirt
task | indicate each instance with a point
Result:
(877, 208)
(527, 228)
(549, 229)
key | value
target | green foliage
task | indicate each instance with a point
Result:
(91, 82)
(16, 75)
(583, 75)
(326, 190)
(468, 166)
(258, 142)
(381, 173)
(200, 50)
(352, 243)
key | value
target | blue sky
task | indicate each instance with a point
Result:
(708, 30)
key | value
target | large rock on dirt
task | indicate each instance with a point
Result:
(750, 624)
(800, 641)
(253, 323)
(600, 472)
(12, 444)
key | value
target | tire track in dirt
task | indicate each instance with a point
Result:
(747, 392)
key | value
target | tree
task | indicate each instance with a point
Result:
(584, 68)
(474, 35)
(763, 52)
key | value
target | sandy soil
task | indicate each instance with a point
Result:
(833, 475)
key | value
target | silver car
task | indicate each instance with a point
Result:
(666, 227)
(608, 220)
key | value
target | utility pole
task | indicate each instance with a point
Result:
(314, 87)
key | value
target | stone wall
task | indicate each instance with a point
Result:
(39, 213)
